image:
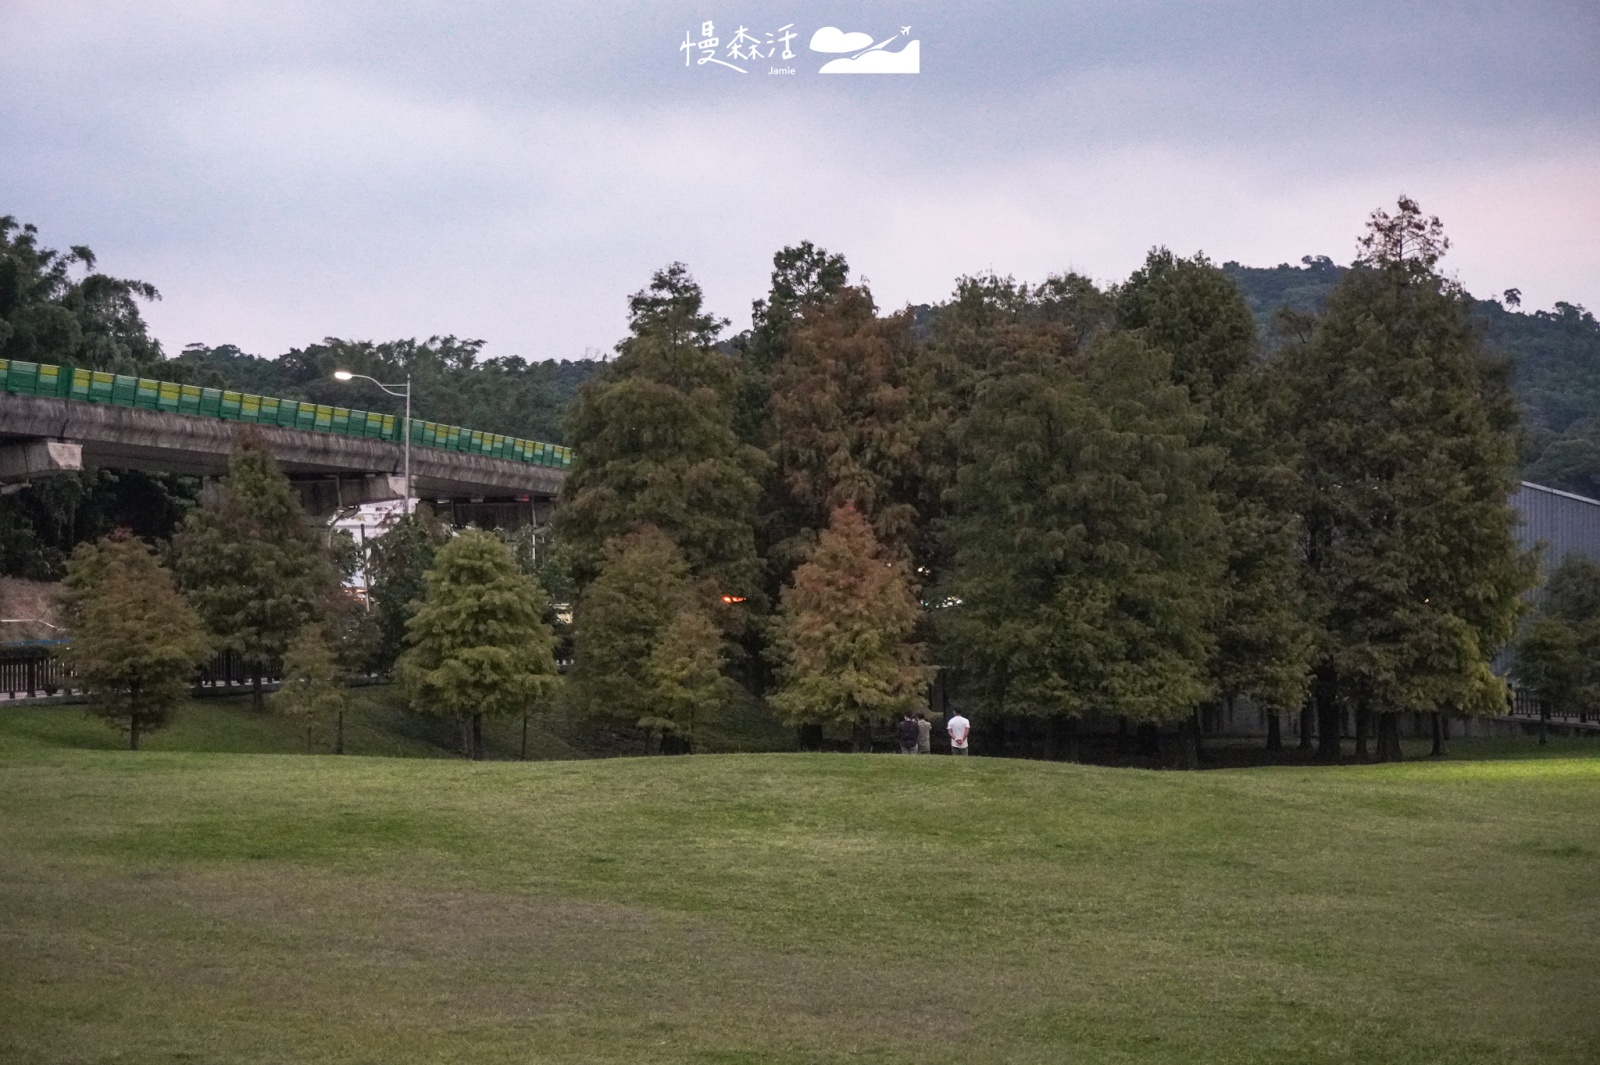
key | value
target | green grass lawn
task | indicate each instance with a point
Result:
(379, 723)
(178, 906)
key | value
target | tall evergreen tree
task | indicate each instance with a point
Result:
(250, 565)
(398, 564)
(843, 427)
(656, 445)
(803, 275)
(315, 690)
(843, 639)
(622, 624)
(479, 646)
(1087, 547)
(1196, 313)
(1408, 429)
(685, 671)
(135, 642)
(991, 328)
(1558, 649)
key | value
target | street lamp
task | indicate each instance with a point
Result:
(393, 390)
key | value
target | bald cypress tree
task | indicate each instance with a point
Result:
(249, 563)
(478, 643)
(843, 426)
(643, 655)
(1087, 548)
(1408, 429)
(842, 641)
(135, 642)
(656, 445)
(1194, 312)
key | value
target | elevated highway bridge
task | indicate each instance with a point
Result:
(58, 419)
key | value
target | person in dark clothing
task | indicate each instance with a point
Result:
(907, 733)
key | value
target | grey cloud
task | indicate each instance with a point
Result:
(289, 170)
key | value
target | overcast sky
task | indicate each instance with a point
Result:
(286, 170)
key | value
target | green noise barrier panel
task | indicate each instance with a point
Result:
(95, 386)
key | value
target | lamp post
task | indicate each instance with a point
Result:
(404, 390)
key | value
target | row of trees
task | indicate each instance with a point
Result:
(1076, 502)
(1054, 502)
(246, 573)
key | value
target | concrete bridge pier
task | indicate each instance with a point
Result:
(322, 496)
(22, 461)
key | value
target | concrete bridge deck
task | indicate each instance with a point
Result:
(43, 435)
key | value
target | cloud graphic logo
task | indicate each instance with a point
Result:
(833, 39)
(907, 60)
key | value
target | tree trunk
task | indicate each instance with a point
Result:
(524, 735)
(338, 734)
(1438, 734)
(477, 737)
(1274, 733)
(1063, 738)
(861, 737)
(1307, 726)
(1189, 741)
(1363, 717)
(810, 737)
(1329, 749)
(133, 716)
(1389, 737)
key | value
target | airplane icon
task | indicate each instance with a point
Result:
(906, 30)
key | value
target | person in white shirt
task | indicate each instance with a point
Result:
(959, 729)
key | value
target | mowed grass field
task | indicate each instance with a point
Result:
(169, 906)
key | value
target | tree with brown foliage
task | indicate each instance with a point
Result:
(842, 640)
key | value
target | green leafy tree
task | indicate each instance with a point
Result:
(398, 563)
(479, 646)
(315, 690)
(803, 275)
(1088, 550)
(250, 564)
(1558, 650)
(842, 641)
(49, 312)
(685, 673)
(623, 620)
(991, 328)
(135, 642)
(1194, 312)
(656, 445)
(1409, 435)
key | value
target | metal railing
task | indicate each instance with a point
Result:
(169, 397)
(31, 671)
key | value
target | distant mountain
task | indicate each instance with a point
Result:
(1555, 357)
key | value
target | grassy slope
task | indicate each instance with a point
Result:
(256, 908)
(378, 724)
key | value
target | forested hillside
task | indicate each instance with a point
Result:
(1555, 360)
